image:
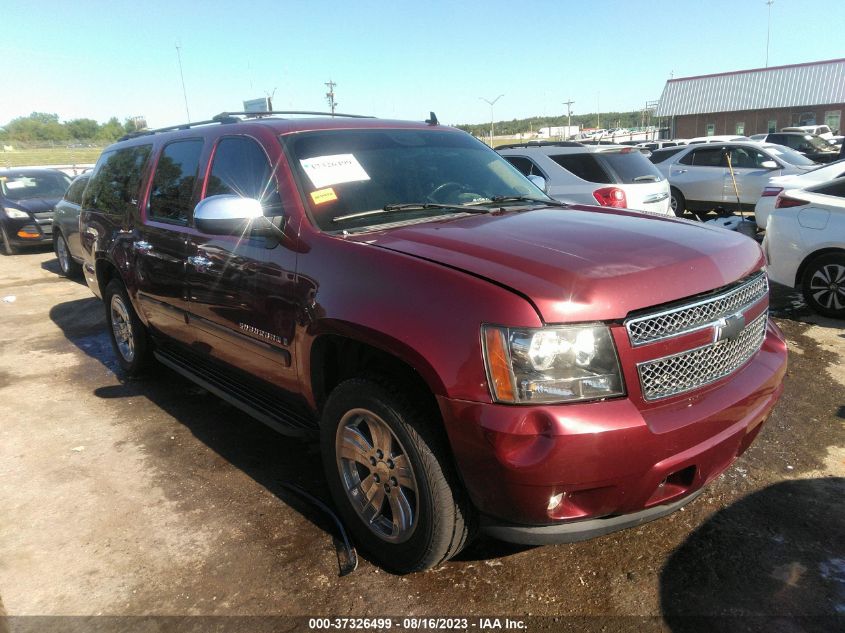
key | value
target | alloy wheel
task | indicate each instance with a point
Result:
(377, 475)
(827, 286)
(62, 254)
(122, 328)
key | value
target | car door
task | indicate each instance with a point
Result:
(751, 177)
(160, 247)
(242, 287)
(700, 174)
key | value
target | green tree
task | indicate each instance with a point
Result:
(82, 129)
(111, 130)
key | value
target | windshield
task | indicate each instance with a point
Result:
(790, 156)
(349, 172)
(27, 186)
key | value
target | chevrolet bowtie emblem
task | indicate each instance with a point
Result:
(728, 328)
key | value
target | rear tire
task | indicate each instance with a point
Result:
(823, 285)
(129, 337)
(67, 264)
(390, 474)
(8, 248)
(677, 202)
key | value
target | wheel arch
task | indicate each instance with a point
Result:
(799, 274)
(336, 355)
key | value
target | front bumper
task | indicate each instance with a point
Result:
(536, 472)
(23, 231)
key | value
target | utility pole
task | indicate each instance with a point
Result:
(492, 103)
(769, 3)
(330, 95)
(182, 76)
(568, 105)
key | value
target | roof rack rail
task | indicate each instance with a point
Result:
(181, 126)
(541, 144)
(256, 115)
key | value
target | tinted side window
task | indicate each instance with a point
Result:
(74, 192)
(778, 139)
(704, 157)
(116, 181)
(659, 155)
(585, 166)
(525, 166)
(173, 182)
(240, 167)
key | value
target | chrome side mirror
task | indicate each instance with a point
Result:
(769, 164)
(539, 182)
(229, 215)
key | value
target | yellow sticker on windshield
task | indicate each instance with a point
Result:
(321, 196)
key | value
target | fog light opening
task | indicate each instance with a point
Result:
(29, 232)
(556, 500)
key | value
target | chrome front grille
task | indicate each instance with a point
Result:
(695, 368)
(698, 315)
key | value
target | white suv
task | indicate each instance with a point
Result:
(607, 175)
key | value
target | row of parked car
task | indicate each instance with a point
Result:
(784, 187)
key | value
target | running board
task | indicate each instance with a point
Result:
(251, 398)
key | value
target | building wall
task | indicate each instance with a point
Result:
(756, 121)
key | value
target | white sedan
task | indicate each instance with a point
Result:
(766, 204)
(805, 244)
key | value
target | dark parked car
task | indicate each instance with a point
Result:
(813, 147)
(66, 228)
(27, 199)
(470, 352)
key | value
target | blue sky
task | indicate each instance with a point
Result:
(395, 59)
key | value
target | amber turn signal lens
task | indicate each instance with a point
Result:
(28, 234)
(499, 365)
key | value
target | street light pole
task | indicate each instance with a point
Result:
(768, 29)
(492, 103)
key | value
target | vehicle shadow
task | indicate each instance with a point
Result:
(773, 561)
(276, 462)
(52, 266)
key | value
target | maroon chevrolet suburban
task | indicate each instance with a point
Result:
(471, 353)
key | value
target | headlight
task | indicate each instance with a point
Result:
(551, 364)
(16, 213)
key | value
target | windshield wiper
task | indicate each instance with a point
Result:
(547, 203)
(408, 206)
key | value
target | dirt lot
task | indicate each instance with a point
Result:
(152, 497)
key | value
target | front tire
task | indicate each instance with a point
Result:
(67, 264)
(129, 337)
(823, 285)
(391, 478)
(8, 248)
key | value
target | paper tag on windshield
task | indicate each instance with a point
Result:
(321, 196)
(325, 171)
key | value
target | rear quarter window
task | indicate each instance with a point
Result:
(584, 166)
(115, 185)
(629, 166)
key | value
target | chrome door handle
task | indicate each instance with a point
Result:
(200, 262)
(142, 247)
(680, 171)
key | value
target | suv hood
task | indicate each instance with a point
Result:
(582, 263)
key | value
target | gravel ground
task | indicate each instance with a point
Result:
(153, 498)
